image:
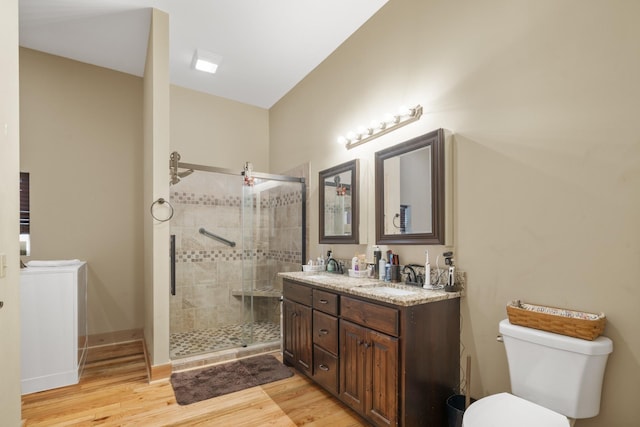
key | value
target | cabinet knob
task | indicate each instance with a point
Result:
(367, 345)
(324, 301)
(323, 367)
(323, 332)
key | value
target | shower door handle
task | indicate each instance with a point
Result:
(172, 255)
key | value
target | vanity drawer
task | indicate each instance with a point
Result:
(296, 292)
(325, 301)
(374, 316)
(325, 331)
(325, 369)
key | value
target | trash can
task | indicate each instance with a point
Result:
(455, 409)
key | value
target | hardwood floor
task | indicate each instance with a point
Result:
(114, 391)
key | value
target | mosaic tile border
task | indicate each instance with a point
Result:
(218, 255)
(201, 199)
(184, 198)
(236, 255)
(294, 257)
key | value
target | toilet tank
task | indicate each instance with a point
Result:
(558, 372)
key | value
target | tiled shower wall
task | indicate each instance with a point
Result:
(209, 273)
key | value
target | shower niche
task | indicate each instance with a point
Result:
(233, 233)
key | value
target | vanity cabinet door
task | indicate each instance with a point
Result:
(288, 312)
(381, 403)
(369, 373)
(303, 333)
(352, 365)
(297, 345)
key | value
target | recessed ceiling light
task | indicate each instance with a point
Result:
(206, 61)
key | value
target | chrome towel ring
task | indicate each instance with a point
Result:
(161, 201)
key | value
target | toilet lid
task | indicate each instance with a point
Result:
(507, 410)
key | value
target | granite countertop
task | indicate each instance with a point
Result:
(392, 293)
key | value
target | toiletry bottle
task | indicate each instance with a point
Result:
(382, 264)
(387, 272)
(354, 263)
(377, 256)
(330, 265)
(362, 262)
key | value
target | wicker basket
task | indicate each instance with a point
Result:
(576, 324)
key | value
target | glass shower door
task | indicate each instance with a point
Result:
(232, 236)
(273, 224)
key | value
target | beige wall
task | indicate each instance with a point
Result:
(9, 208)
(213, 131)
(81, 142)
(542, 98)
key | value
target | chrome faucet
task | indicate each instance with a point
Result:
(333, 266)
(413, 278)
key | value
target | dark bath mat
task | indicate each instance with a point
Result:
(201, 384)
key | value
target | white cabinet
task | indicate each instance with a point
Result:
(53, 311)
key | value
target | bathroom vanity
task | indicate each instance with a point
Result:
(54, 326)
(390, 352)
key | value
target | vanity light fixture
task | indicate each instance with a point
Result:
(377, 128)
(206, 61)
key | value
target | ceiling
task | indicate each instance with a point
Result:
(267, 46)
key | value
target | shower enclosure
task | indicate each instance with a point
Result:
(232, 233)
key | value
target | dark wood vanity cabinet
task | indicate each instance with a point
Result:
(394, 365)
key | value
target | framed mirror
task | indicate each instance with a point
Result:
(410, 192)
(339, 204)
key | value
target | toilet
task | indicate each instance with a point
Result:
(555, 379)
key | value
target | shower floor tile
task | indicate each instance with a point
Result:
(183, 344)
